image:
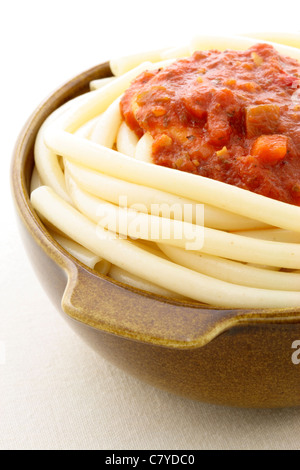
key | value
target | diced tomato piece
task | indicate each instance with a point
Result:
(161, 141)
(270, 148)
(262, 119)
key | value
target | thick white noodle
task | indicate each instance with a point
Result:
(125, 277)
(107, 127)
(121, 65)
(283, 38)
(150, 267)
(100, 82)
(175, 52)
(35, 181)
(46, 161)
(273, 234)
(154, 201)
(87, 128)
(126, 140)
(143, 149)
(79, 252)
(231, 271)
(128, 222)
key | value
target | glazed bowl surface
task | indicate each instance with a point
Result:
(237, 357)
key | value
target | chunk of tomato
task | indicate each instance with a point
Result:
(270, 148)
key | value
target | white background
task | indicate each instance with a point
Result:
(55, 393)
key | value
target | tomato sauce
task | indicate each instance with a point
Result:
(233, 116)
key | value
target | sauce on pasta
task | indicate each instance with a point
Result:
(232, 116)
(104, 187)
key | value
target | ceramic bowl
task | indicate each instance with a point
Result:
(231, 357)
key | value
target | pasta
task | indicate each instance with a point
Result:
(168, 232)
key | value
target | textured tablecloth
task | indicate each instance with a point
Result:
(55, 392)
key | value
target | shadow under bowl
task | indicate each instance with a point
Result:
(237, 357)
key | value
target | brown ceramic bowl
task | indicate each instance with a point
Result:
(229, 357)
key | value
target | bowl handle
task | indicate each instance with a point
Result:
(106, 304)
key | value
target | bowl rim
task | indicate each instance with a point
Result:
(217, 320)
